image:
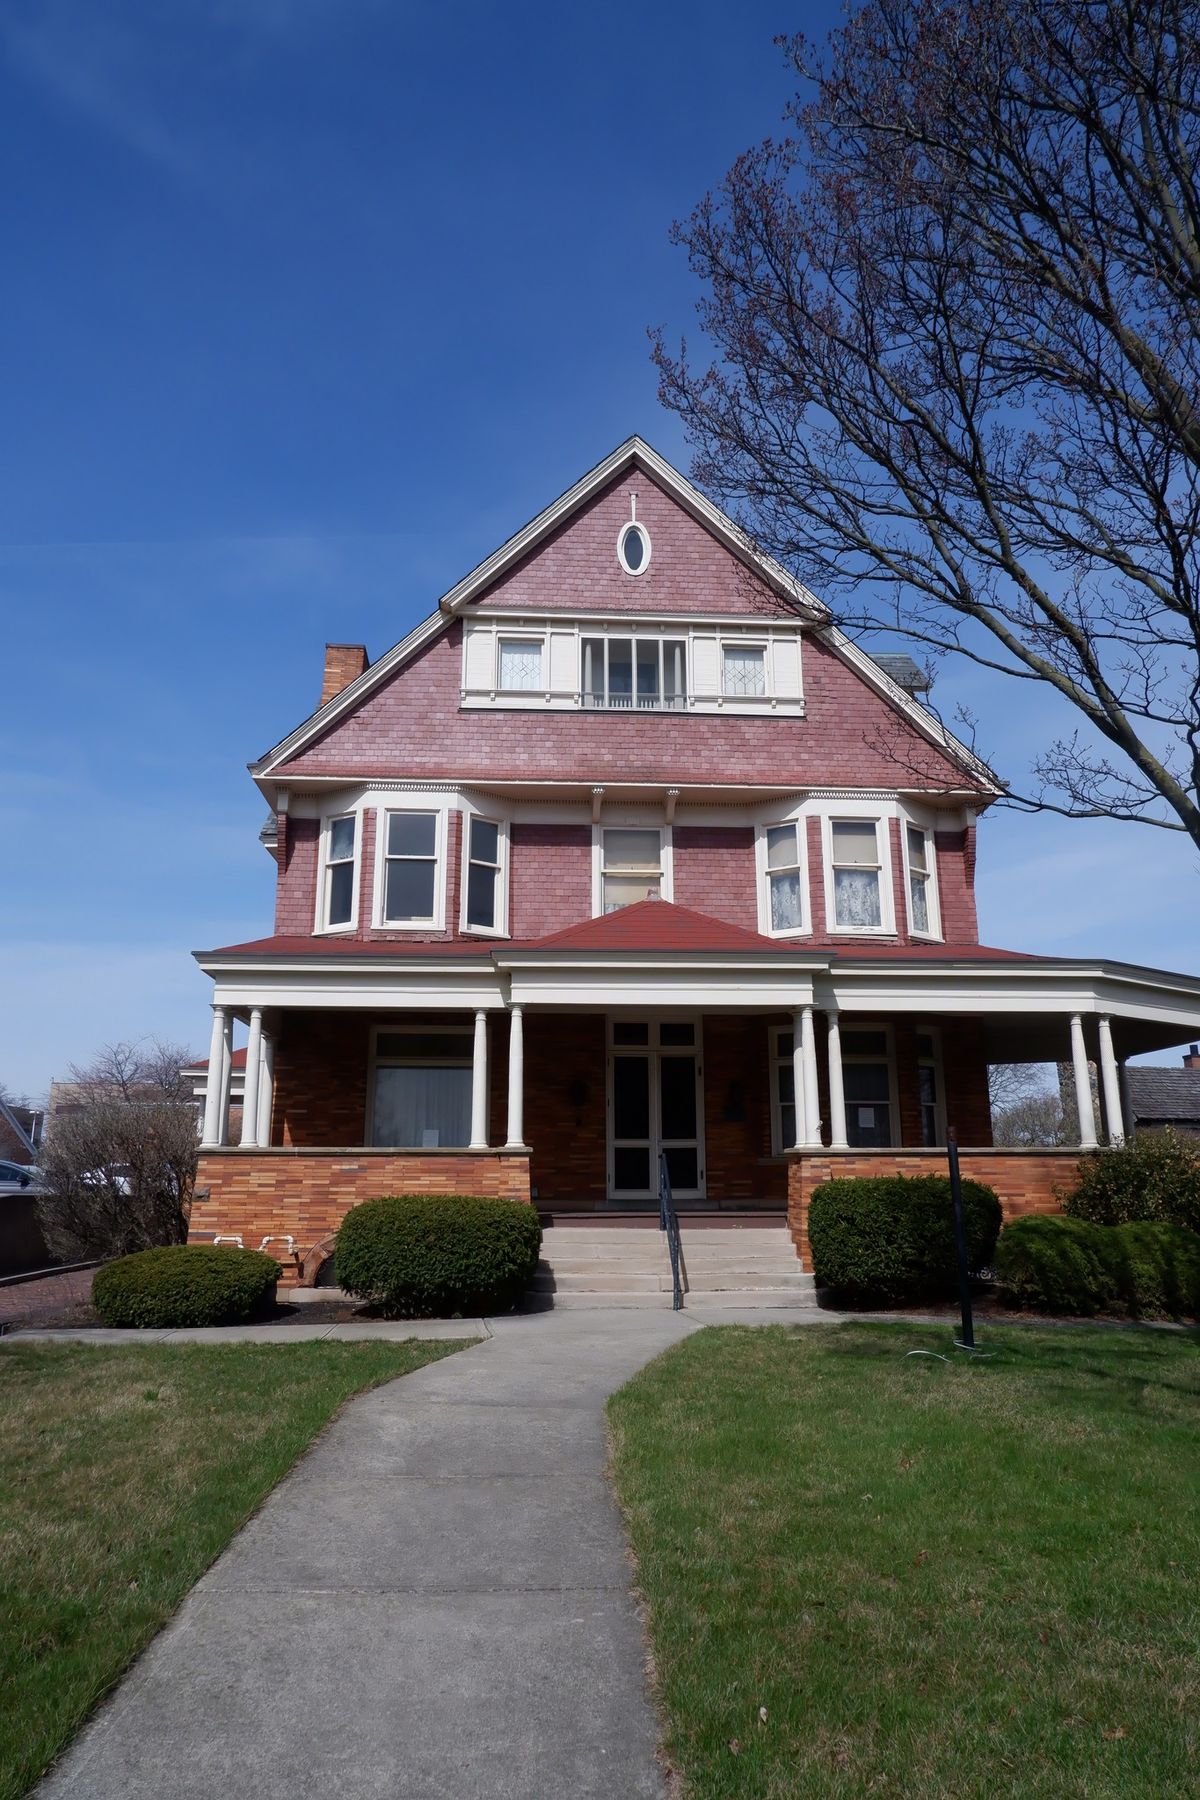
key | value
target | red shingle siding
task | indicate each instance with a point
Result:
(714, 872)
(413, 727)
(689, 571)
(551, 878)
(956, 885)
(296, 889)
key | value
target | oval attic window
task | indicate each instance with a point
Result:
(633, 549)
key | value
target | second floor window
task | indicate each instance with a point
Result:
(631, 868)
(922, 894)
(484, 906)
(339, 872)
(785, 877)
(857, 875)
(410, 869)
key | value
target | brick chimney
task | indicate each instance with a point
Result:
(344, 663)
(1192, 1059)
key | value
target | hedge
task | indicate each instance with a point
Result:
(1146, 1269)
(420, 1256)
(1156, 1176)
(185, 1284)
(891, 1237)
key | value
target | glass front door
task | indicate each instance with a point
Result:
(654, 1089)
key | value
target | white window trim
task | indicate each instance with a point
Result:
(500, 928)
(858, 814)
(692, 629)
(763, 878)
(933, 895)
(665, 855)
(520, 637)
(774, 1058)
(414, 803)
(375, 1061)
(627, 527)
(936, 1061)
(321, 927)
(727, 640)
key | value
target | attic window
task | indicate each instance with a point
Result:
(633, 548)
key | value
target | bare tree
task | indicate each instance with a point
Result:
(1033, 1118)
(118, 1166)
(956, 318)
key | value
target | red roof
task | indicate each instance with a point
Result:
(648, 926)
(237, 1061)
(657, 925)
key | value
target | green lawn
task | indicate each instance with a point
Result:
(123, 1471)
(973, 1578)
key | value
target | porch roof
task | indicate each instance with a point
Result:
(655, 954)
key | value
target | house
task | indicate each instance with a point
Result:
(195, 1079)
(1158, 1097)
(627, 853)
(20, 1131)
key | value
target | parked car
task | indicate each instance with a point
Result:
(22, 1246)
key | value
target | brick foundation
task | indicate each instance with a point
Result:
(305, 1194)
(1027, 1181)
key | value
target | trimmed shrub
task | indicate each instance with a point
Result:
(891, 1237)
(1156, 1176)
(421, 1256)
(1057, 1265)
(185, 1284)
(1159, 1269)
(1147, 1269)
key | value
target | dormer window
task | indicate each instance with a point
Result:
(633, 548)
(744, 670)
(645, 673)
(520, 670)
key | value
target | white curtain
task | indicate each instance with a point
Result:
(422, 1108)
(857, 897)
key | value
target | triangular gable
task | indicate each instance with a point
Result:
(656, 926)
(767, 586)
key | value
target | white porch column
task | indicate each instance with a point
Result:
(253, 1075)
(1110, 1081)
(812, 1103)
(479, 1084)
(1083, 1086)
(211, 1132)
(516, 1079)
(226, 1077)
(837, 1094)
(799, 1083)
(266, 1090)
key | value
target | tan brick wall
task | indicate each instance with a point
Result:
(305, 1194)
(1027, 1181)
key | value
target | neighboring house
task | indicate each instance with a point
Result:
(20, 1132)
(625, 852)
(22, 1245)
(1160, 1097)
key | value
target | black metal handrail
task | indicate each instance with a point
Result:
(668, 1221)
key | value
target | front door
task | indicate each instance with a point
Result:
(655, 1090)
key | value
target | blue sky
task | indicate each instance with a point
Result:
(309, 303)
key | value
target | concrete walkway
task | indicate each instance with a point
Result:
(434, 1605)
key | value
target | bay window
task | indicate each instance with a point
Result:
(922, 887)
(783, 874)
(338, 879)
(483, 905)
(631, 867)
(856, 868)
(411, 889)
(421, 1088)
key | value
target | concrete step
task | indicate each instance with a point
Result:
(745, 1284)
(611, 1281)
(571, 1302)
(794, 1299)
